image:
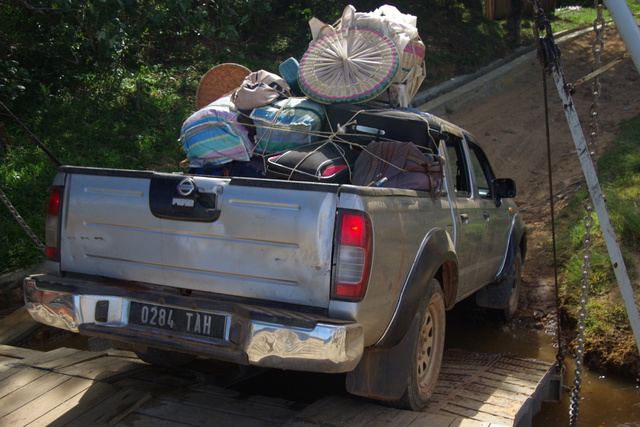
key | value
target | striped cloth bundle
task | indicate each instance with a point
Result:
(214, 136)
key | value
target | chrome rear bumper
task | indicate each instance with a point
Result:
(325, 347)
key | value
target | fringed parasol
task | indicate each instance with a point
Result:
(351, 65)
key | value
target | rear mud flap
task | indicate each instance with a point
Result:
(382, 373)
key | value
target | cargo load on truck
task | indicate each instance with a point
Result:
(352, 86)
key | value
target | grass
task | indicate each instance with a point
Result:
(609, 339)
(570, 17)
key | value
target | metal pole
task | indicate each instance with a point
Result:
(598, 199)
(627, 26)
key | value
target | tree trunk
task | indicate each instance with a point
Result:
(513, 23)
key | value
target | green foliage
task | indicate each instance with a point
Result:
(53, 44)
(620, 179)
(574, 3)
(21, 161)
(620, 171)
(573, 14)
(18, 250)
(71, 37)
(622, 161)
(606, 315)
(458, 40)
(13, 79)
(132, 122)
(625, 212)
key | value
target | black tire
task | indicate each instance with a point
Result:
(514, 281)
(165, 358)
(427, 356)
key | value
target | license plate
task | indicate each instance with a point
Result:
(177, 320)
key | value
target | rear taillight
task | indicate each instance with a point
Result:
(52, 227)
(353, 256)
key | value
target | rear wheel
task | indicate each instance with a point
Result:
(427, 356)
(165, 358)
(514, 281)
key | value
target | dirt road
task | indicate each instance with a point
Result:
(507, 116)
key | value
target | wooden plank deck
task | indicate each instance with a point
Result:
(69, 387)
(16, 326)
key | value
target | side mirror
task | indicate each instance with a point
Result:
(505, 188)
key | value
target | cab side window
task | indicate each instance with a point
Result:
(458, 165)
(483, 174)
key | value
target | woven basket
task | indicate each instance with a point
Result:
(218, 82)
(348, 66)
(412, 67)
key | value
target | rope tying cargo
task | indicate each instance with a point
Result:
(337, 135)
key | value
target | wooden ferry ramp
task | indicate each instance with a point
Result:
(70, 387)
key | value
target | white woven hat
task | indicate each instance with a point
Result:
(351, 65)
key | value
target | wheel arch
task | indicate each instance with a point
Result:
(517, 242)
(436, 259)
(382, 371)
(496, 294)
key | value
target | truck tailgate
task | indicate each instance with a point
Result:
(258, 238)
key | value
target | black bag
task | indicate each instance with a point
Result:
(397, 164)
(320, 162)
(359, 124)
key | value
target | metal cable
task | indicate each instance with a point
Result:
(35, 138)
(560, 353)
(21, 221)
(5, 200)
(547, 51)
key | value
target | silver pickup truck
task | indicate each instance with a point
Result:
(285, 274)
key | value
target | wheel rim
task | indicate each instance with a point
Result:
(428, 343)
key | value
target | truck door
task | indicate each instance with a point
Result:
(470, 226)
(495, 214)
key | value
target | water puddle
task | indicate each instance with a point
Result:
(605, 401)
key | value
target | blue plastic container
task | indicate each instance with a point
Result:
(289, 72)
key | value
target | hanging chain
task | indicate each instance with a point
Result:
(587, 240)
(21, 221)
(598, 49)
(594, 130)
(548, 52)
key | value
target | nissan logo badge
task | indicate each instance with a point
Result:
(186, 187)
